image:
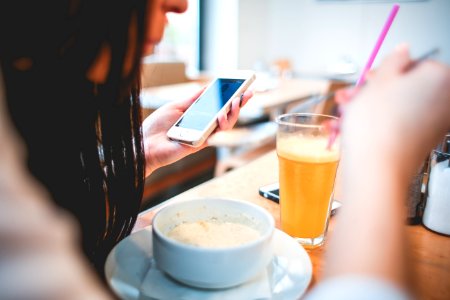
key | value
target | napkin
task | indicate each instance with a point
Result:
(156, 285)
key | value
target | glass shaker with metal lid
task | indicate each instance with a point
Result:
(437, 207)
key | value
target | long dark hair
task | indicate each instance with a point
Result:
(84, 140)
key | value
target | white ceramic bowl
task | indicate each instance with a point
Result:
(206, 267)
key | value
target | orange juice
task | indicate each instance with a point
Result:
(307, 173)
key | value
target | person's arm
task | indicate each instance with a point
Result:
(387, 130)
(40, 257)
(159, 150)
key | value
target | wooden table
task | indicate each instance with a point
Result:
(430, 251)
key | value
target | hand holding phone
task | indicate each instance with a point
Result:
(200, 119)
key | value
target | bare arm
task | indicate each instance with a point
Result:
(388, 129)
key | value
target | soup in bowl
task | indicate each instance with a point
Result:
(212, 242)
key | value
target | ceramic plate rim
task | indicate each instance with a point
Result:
(124, 289)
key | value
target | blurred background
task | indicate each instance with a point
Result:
(299, 48)
(318, 37)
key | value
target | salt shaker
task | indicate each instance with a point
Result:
(437, 207)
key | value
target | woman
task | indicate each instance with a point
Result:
(98, 161)
(72, 86)
(39, 260)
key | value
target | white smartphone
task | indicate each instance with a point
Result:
(200, 119)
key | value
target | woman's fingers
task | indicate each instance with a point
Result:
(343, 96)
(233, 114)
(227, 121)
(395, 63)
(245, 97)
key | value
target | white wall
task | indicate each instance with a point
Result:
(316, 34)
(221, 31)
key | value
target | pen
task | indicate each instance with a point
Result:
(423, 57)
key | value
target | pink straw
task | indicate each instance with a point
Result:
(362, 76)
(377, 47)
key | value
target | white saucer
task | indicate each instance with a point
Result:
(129, 263)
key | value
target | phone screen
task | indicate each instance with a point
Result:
(209, 104)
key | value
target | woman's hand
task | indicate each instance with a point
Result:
(159, 150)
(402, 111)
(388, 128)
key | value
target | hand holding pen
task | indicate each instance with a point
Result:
(404, 100)
(344, 96)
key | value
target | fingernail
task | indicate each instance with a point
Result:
(402, 47)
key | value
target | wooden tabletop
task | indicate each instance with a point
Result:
(430, 259)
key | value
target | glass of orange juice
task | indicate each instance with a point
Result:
(307, 171)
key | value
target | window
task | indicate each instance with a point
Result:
(181, 39)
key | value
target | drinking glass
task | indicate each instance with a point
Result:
(307, 172)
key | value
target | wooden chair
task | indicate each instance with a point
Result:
(163, 73)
